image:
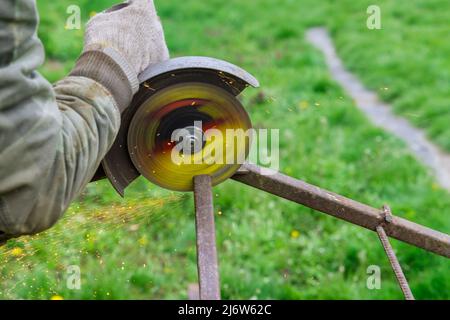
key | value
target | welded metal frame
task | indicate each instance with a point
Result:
(310, 196)
(119, 169)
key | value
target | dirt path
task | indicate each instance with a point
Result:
(381, 113)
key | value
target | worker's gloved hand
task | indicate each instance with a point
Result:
(119, 44)
(133, 29)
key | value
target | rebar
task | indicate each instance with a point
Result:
(395, 264)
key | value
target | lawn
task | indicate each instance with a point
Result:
(143, 246)
(407, 61)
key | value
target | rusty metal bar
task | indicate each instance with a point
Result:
(395, 264)
(208, 270)
(398, 271)
(343, 208)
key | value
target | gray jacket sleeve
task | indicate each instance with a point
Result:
(52, 138)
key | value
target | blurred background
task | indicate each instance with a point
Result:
(143, 246)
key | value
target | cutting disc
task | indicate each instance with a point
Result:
(186, 130)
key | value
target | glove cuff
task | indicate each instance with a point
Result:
(110, 69)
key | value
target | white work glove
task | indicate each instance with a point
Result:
(133, 29)
(129, 34)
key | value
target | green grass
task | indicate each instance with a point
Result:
(143, 247)
(407, 61)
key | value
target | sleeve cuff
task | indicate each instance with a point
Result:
(108, 67)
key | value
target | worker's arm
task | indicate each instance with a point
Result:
(52, 138)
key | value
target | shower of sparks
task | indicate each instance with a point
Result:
(23, 257)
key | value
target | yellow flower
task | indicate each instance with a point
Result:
(16, 252)
(56, 297)
(143, 241)
(435, 187)
(295, 234)
(303, 105)
(92, 14)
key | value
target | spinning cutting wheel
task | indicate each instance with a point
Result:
(185, 120)
(186, 130)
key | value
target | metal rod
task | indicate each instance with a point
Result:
(395, 264)
(208, 271)
(343, 208)
(398, 272)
